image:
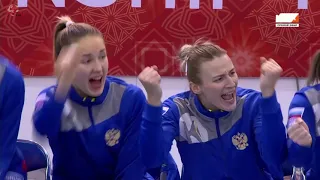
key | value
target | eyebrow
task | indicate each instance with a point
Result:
(89, 55)
(223, 73)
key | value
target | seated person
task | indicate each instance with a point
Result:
(12, 91)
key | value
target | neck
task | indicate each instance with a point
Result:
(206, 104)
(80, 93)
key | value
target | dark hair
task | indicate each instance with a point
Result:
(68, 32)
(192, 56)
(314, 70)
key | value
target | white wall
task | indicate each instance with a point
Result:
(285, 89)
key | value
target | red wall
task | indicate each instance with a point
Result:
(152, 34)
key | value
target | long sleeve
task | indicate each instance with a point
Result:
(129, 164)
(270, 135)
(169, 170)
(47, 113)
(158, 129)
(298, 155)
(10, 117)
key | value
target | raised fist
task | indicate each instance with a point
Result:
(150, 79)
(270, 73)
(299, 133)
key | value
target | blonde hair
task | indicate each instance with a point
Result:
(68, 32)
(191, 57)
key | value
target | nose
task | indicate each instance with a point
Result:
(97, 66)
(230, 82)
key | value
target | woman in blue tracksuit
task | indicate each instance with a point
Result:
(92, 121)
(222, 131)
(304, 125)
(12, 92)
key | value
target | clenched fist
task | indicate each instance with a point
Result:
(66, 67)
(299, 133)
(150, 79)
(270, 73)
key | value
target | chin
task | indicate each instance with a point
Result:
(229, 107)
(95, 93)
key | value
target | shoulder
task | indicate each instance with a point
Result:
(249, 95)
(123, 89)
(129, 93)
(116, 80)
(173, 99)
(303, 97)
(48, 90)
(46, 93)
(10, 71)
(170, 107)
(11, 78)
(246, 92)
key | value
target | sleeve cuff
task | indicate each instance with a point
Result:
(301, 154)
(270, 104)
(54, 105)
(153, 113)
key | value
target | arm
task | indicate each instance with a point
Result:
(47, 113)
(169, 170)
(10, 118)
(270, 134)
(298, 155)
(158, 129)
(129, 165)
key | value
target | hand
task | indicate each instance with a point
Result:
(150, 79)
(270, 73)
(299, 133)
(66, 65)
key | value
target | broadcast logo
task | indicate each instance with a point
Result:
(287, 20)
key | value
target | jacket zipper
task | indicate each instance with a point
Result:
(223, 148)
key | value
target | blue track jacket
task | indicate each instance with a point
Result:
(12, 92)
(306, 102)
(93, 138)
(245, 144)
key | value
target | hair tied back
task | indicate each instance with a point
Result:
(68, 23)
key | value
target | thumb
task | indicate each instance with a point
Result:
(154, 67)
(303, 124)
(262, 60)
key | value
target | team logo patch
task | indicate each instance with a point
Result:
(240, 141)
(112, 136)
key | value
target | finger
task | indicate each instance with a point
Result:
(274, 64)
(154, 76)
(159, 78)
(272, 61)
(266, 68)
(301, 122)
(154, 67)
(143, 72)
(150, 75)
(292, 129)
(297, 133)
(72, 55)
(263, 60)
(302, 138)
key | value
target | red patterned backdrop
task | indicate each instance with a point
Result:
(137, 37)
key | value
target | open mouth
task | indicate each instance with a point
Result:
(95, 83)
(229, 97)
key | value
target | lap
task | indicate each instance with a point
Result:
(14, 176)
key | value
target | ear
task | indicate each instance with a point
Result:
(195, 88)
